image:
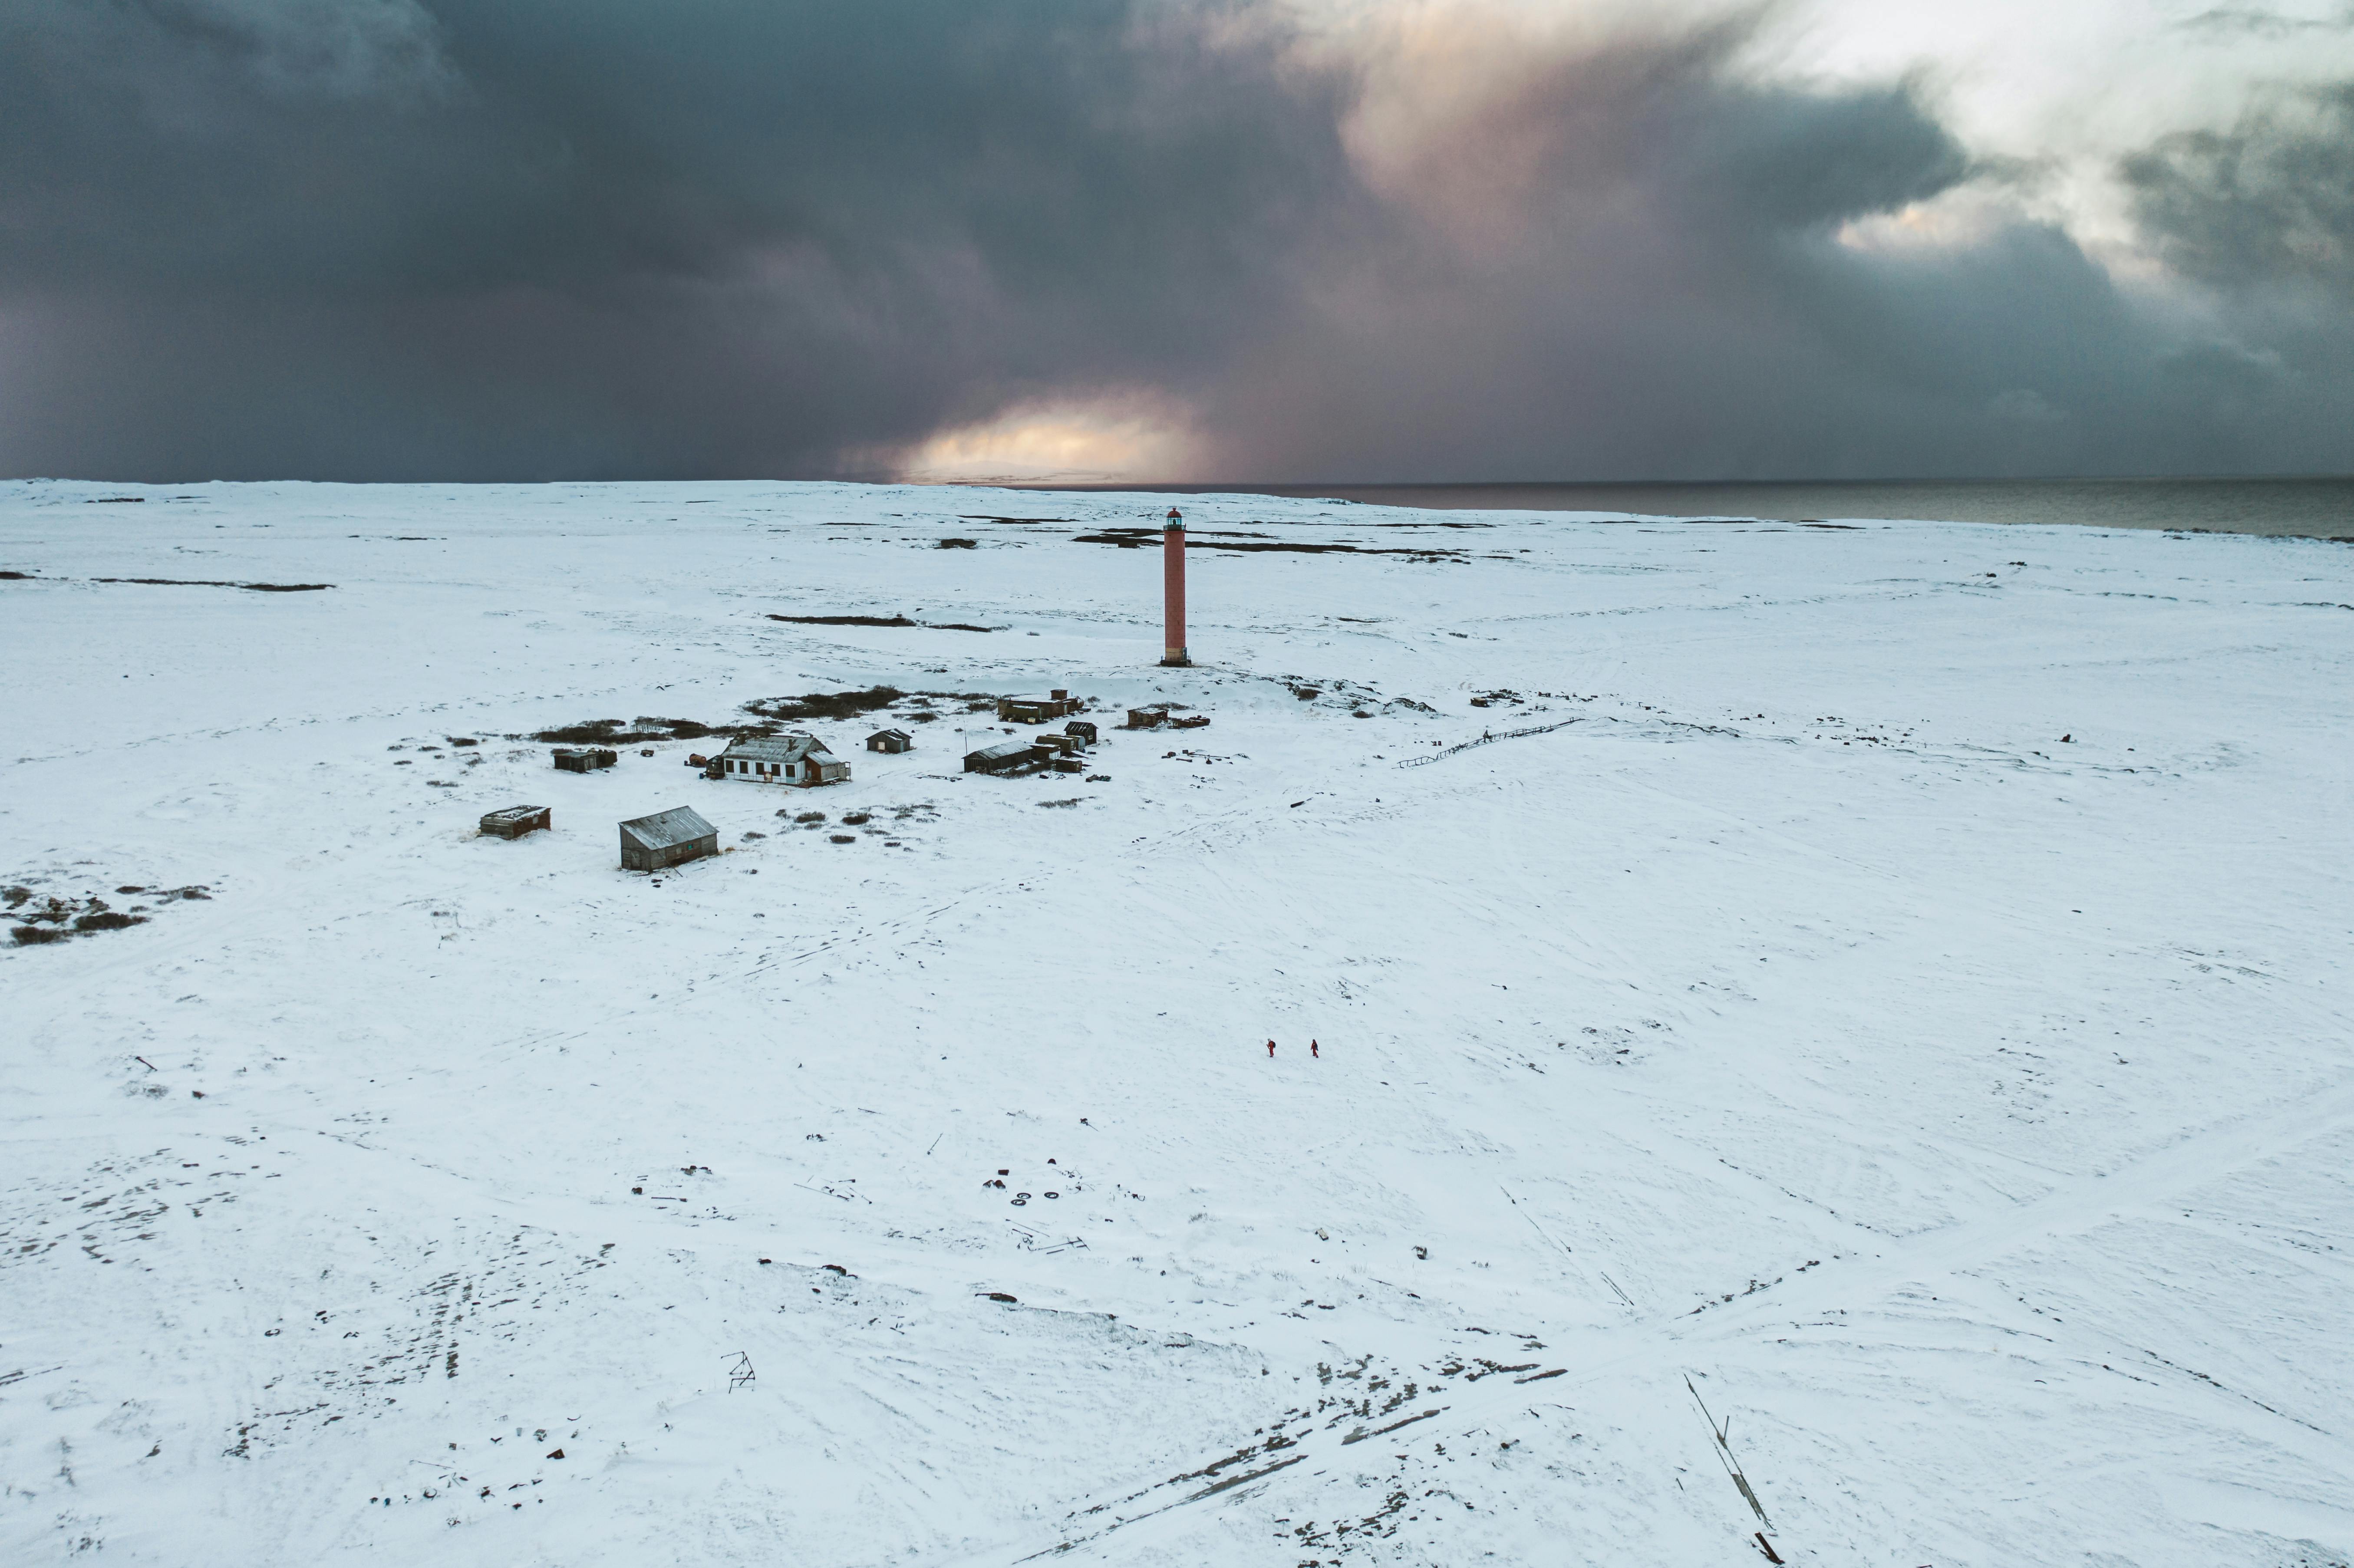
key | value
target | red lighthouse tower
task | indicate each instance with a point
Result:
(1172, 585)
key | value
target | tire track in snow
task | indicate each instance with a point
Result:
(1658, 1347)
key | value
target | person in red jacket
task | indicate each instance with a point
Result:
(1313, 1050)
(1270, 1050)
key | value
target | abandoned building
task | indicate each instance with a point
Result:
(1144, 718)
(1036, 710)
(890, 740)
(513, 821)
(1081, 730)
(666, 839)
(799, 759)
(584, 758)
(1003, 757)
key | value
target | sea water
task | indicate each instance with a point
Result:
(2305, 507)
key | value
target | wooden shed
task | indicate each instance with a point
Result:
(584, 758)
(1003, 757)
(1081, 730)
(666, 839)
(890, 740)
(513, 821)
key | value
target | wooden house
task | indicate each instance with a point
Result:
(890, 740)
(584, 758)
(797, 758)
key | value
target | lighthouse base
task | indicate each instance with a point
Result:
(1175, 656)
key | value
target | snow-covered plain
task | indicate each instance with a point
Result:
(1965, 1110)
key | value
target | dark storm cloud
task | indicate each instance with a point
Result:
(726, 236)
(2270, 201)
(475, 238)
(2260, 22)
(1669, 286)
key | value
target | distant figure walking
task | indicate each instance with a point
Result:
(1270, 1049)
(1312, 1050)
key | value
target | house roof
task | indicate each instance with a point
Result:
(902, 734)
(1003, 749)
(680, 824)
(781, 748)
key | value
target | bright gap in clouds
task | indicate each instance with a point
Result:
(1120, 437)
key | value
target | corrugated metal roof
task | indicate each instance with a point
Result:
(680, 824)
(1004, 751)
(902, 734)
(782, 749)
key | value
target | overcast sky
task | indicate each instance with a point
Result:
(1316, 240)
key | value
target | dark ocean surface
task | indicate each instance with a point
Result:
(2318, 507)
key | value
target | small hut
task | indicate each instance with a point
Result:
(1081, 730)
(666, 839)
(513, 821)
(1144, 718)
(584, 758)
(890, 740)
(797, 758)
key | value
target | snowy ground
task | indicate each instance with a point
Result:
(1964, 1109)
